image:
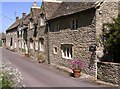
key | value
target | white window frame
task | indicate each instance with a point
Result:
(42, 21)
(31, 25)
(26, 49)
(67, 51)
(41, 45)
(31, 45)
(55, 50)
(74, 24)
(9, 43)
(22, 45)
(15, 45)
(36, 45)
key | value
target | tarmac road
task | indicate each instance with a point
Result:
(42, 75)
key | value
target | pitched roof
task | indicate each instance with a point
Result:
(2, 36)
(15, 24)
(26, 19)
(54, 10)
(50, 8)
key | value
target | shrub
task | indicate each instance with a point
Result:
(41, 57)
(9, 77)
(112, 39)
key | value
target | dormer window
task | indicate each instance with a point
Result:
(42, 19)
(31, 24)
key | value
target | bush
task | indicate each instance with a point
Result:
(112, 39)
(9, 77)
(41, 57)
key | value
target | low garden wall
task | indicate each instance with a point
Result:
(108, 72)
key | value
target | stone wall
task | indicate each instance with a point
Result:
(12, 34)
(81, 39)
(108, 72)
(39, 34)
(30, 33)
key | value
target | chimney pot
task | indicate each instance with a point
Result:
(23, 14)
(35, 4)
(17, 18)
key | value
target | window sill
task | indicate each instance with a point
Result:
(41, 50)
(55, 53)
(67, 58)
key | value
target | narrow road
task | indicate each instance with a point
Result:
(40, 75)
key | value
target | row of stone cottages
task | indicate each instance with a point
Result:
(2, 39)
(62, 31)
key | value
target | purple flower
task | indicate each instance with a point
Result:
(77, 64)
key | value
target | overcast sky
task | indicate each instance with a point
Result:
(9, 11)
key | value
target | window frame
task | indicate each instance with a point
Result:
(74, 24)
(57, 27)
(67, 51)
(36, 45)
(41, 44)
(31, 45)
(55, 50)
(31, 24)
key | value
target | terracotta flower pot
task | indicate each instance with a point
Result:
(77, 73)
(26, 55)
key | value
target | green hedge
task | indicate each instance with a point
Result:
(0, 43)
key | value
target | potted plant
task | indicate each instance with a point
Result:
(26, 53)
(41, 57)
(77, 65)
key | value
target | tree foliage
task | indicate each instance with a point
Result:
(112, 39)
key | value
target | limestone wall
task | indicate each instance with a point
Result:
(81, 39)
(108, 72)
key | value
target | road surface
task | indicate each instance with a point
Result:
(40, 75)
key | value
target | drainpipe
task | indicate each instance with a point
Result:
(48, 41)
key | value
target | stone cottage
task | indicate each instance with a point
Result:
(11, 35)
(35, 33)
(22, 33)
(2, 40)
(64, 31)
(74, 30)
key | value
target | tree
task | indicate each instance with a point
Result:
(111, 36)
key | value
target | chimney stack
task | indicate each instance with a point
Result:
(23, 15)
(35, 4)
(17, 18)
